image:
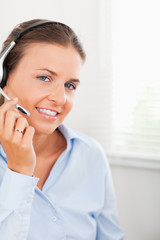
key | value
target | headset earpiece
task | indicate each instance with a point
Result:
(4, 77)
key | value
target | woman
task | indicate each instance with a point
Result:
(54, 183)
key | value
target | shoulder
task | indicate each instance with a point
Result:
(89, 142)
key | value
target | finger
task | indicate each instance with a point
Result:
(28, 136)
(4, 108)
(9, 123)
(8, 104)
(19, 129)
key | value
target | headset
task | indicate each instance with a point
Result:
(3, 55)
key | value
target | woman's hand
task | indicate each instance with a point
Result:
(16, 137)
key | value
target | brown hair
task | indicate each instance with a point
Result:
(52, 32)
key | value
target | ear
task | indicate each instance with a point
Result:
(5, 89)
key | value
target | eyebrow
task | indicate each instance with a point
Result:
(48, 70)
(55, 74)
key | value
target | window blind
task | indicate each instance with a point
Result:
(135, 125)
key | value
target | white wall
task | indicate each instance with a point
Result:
(137, 189)
(138, 196)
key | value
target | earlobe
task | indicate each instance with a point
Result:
(5, 89)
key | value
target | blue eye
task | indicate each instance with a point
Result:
(70, 86)
(43, 78)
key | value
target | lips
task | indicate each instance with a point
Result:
(47, 112)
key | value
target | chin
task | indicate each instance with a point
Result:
(45, 130)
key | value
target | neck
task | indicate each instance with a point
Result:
(45, 145)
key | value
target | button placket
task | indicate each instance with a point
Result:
(54, 218)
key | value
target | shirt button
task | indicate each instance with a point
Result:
(54, 218)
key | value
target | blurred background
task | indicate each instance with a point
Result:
(118, 101)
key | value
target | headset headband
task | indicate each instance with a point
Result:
(33, 25)
(5, 52)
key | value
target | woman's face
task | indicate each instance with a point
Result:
(45, 83)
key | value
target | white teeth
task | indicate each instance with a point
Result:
(48, 112)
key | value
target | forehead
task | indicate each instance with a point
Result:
(51, 50)
(53, 56)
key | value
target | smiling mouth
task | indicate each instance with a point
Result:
(47, 112)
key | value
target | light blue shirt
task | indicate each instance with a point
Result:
(77, 201)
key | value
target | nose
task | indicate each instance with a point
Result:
(58, 95)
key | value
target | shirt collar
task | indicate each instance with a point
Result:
(68, 134)
(71, 135)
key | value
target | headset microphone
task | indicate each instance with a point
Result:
(3, 55)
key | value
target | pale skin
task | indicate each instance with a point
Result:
(46, 78)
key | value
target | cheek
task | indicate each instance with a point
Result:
(70, 103)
